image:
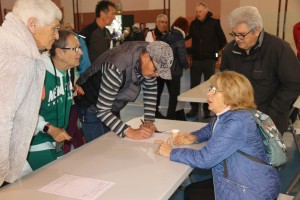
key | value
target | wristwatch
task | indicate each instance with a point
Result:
(46, 128)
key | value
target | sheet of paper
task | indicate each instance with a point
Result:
(77, 187)
(156, 136)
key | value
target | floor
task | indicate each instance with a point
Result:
(286, 173)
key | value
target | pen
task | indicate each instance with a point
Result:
(156, 131)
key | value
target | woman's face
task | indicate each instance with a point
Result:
(45, 36)
(215, 100)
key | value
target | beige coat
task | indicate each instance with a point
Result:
(22, 75)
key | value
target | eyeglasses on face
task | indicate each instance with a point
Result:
(240, 36)
(213, 90)
(76, 49)
(55, 28)
(155, 69)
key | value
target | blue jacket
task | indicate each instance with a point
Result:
(247, 179)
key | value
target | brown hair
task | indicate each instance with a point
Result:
(181, 23)
(236, 89)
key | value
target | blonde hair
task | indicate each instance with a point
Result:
(236, 89)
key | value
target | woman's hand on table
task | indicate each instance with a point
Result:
(164, 148)
(184, 138)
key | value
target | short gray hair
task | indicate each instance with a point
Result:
(246, 15)
(45, 11)
(202, 4)
(160, 16)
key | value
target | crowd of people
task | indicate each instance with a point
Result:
(39, 54)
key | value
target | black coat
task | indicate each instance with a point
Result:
(274, 72)
(207, 38)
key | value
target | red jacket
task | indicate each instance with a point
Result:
(296, 32)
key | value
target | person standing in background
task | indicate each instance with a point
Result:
(267, 61)
(98, 37)
(176, 39)
(137, 34)
(296, 34)
(26, 32)
(155, 35)
(207, 40)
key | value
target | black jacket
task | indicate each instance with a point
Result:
(207, 38)
(274, 72)
(175, 38)
(97, 40)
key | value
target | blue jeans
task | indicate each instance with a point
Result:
(92, 127)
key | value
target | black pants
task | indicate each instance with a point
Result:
(199, 67)
(174, 90)
(203, 190)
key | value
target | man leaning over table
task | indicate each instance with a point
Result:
(115, 79)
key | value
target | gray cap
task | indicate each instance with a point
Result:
(161, 53)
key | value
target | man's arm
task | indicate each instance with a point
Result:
(150, 94)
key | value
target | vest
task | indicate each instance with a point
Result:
(124, 57)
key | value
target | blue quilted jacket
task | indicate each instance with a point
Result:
(247, 179)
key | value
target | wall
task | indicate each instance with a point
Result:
(220, 8)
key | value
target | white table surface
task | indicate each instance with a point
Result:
(297, 103)
(138, 173)
(197, 94)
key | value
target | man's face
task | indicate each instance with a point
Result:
(244, 37)
(45, 36)
(162, 24)
(201, 12)
(109, 16)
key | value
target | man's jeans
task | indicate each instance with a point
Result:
(92, 127)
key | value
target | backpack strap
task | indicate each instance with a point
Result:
(253, 158)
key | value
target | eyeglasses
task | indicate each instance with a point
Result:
(55, 28)
(155, 69)
(240, 36)
(76, 49)
(213, 90)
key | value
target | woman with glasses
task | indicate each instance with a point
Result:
(25, 33)
(266, 60)
(56, 103)
(234, 129)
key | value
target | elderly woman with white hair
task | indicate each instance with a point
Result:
(26, 32)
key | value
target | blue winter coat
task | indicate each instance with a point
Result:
(247, 179)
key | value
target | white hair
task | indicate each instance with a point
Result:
(158, 18)
(246, 15)
(45, 11)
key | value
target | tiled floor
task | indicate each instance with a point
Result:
(286, 173)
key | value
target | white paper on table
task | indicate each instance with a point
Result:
(77, 187)
(156, 136)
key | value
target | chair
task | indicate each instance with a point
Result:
(295, 130)
(294, 127)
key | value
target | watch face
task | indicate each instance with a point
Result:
(46, 128)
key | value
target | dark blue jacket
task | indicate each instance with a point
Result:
(175, 38)
(247, 179)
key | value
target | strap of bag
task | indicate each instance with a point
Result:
(246, 155)
(225, 169)
(253, 158)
